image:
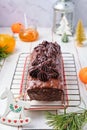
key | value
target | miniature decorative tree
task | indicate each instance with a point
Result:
(64, 27)
(65, 38)
(80, 33)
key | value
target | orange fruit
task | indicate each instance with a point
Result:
(8, 41)
(83, 75)
(28, 35)
(16, 27)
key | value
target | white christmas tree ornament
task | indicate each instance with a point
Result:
(64, 27)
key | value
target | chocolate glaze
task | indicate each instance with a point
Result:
(45, 64)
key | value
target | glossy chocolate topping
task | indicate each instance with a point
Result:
(45, 64)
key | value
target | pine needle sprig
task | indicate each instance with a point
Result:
(2, 49)
(3, 53)
(67, 121)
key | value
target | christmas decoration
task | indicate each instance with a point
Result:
(3, 54)
(80, 33)
(15, 107)
(67, 121)
(63, 8)
(64, 27)
(65, 38)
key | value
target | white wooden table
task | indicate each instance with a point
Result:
(38, 117)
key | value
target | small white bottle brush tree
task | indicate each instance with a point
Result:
(64, 27)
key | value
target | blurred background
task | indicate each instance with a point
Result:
(38, 12)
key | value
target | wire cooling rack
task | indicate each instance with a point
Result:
(72, 92)
(1, 64)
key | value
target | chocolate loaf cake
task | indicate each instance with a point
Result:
(45, 74)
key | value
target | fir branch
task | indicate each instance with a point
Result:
(3, 53)
(67, 121)
(3, 49)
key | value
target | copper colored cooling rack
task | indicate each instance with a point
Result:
(72, 92)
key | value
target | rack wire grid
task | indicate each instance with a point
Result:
(72, 84)
(1, 64)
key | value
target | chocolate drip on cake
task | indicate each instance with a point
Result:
(45, 82)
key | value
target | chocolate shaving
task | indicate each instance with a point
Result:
(35, 62)
(34, 72)
(55, 75)
(45, 68)
(43, 76)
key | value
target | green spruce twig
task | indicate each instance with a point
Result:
(67, 121)
(3, 53)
